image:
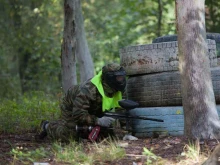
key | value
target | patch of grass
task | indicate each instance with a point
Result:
(108, 150)
(27, 157)
(105, 152)
(26, 113)
(152, 158)
(192, 154)
(73, 153)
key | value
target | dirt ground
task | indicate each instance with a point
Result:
(168, 148)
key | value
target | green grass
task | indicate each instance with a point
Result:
(72, 153)
(26, 157)
(150, 156)
(108, 150)
(99, 153)
(26, 113)
(191, 155)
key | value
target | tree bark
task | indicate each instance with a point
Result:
(83, 55)
(68, 61)
(200, 113)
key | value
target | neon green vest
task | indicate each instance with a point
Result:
(107, 102)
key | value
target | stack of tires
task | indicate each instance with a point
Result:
(154, 82)
(211, 36)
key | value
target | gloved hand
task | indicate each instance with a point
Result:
(105, 121)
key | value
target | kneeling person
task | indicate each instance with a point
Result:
(84, 104)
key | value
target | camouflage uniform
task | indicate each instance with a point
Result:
(81, 105)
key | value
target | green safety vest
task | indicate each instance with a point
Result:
(107, 102)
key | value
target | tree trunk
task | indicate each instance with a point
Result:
(68, 61)
(22, 56)
(82, 50)
(200, 113)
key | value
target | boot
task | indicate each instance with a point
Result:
(43, 131)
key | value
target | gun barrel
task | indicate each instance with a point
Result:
(117, 115)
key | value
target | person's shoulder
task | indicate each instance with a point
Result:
(88, 86)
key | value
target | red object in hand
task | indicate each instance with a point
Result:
(94, 133)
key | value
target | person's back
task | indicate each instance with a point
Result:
(84, 97)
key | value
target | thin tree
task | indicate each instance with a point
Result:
(200, 114)
(83, 55)
(68, 61)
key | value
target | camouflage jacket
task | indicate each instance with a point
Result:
(82, 104)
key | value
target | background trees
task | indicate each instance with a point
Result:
(111, 25)
(31, 36)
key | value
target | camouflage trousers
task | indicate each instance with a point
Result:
(62, 130)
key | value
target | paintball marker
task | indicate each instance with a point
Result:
(128, 105)
(125, 104)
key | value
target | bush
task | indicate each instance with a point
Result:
(26, 113)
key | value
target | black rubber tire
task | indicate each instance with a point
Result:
(163, 89)
(167, 38)
(173, 118)
(211, 36)
(157, 57)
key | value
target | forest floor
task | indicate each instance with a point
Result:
(168, 148)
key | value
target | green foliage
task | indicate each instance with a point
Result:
(9, 78)
(192, 151)
(193, 154)
(151, 157)
(212, 16)
(32, 30)
(27, 113)
(108, 150)
(31, 36)
(72, 153)
(26, 157)
(9, 87)
(111, 25)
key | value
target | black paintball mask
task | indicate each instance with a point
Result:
(116, 79)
